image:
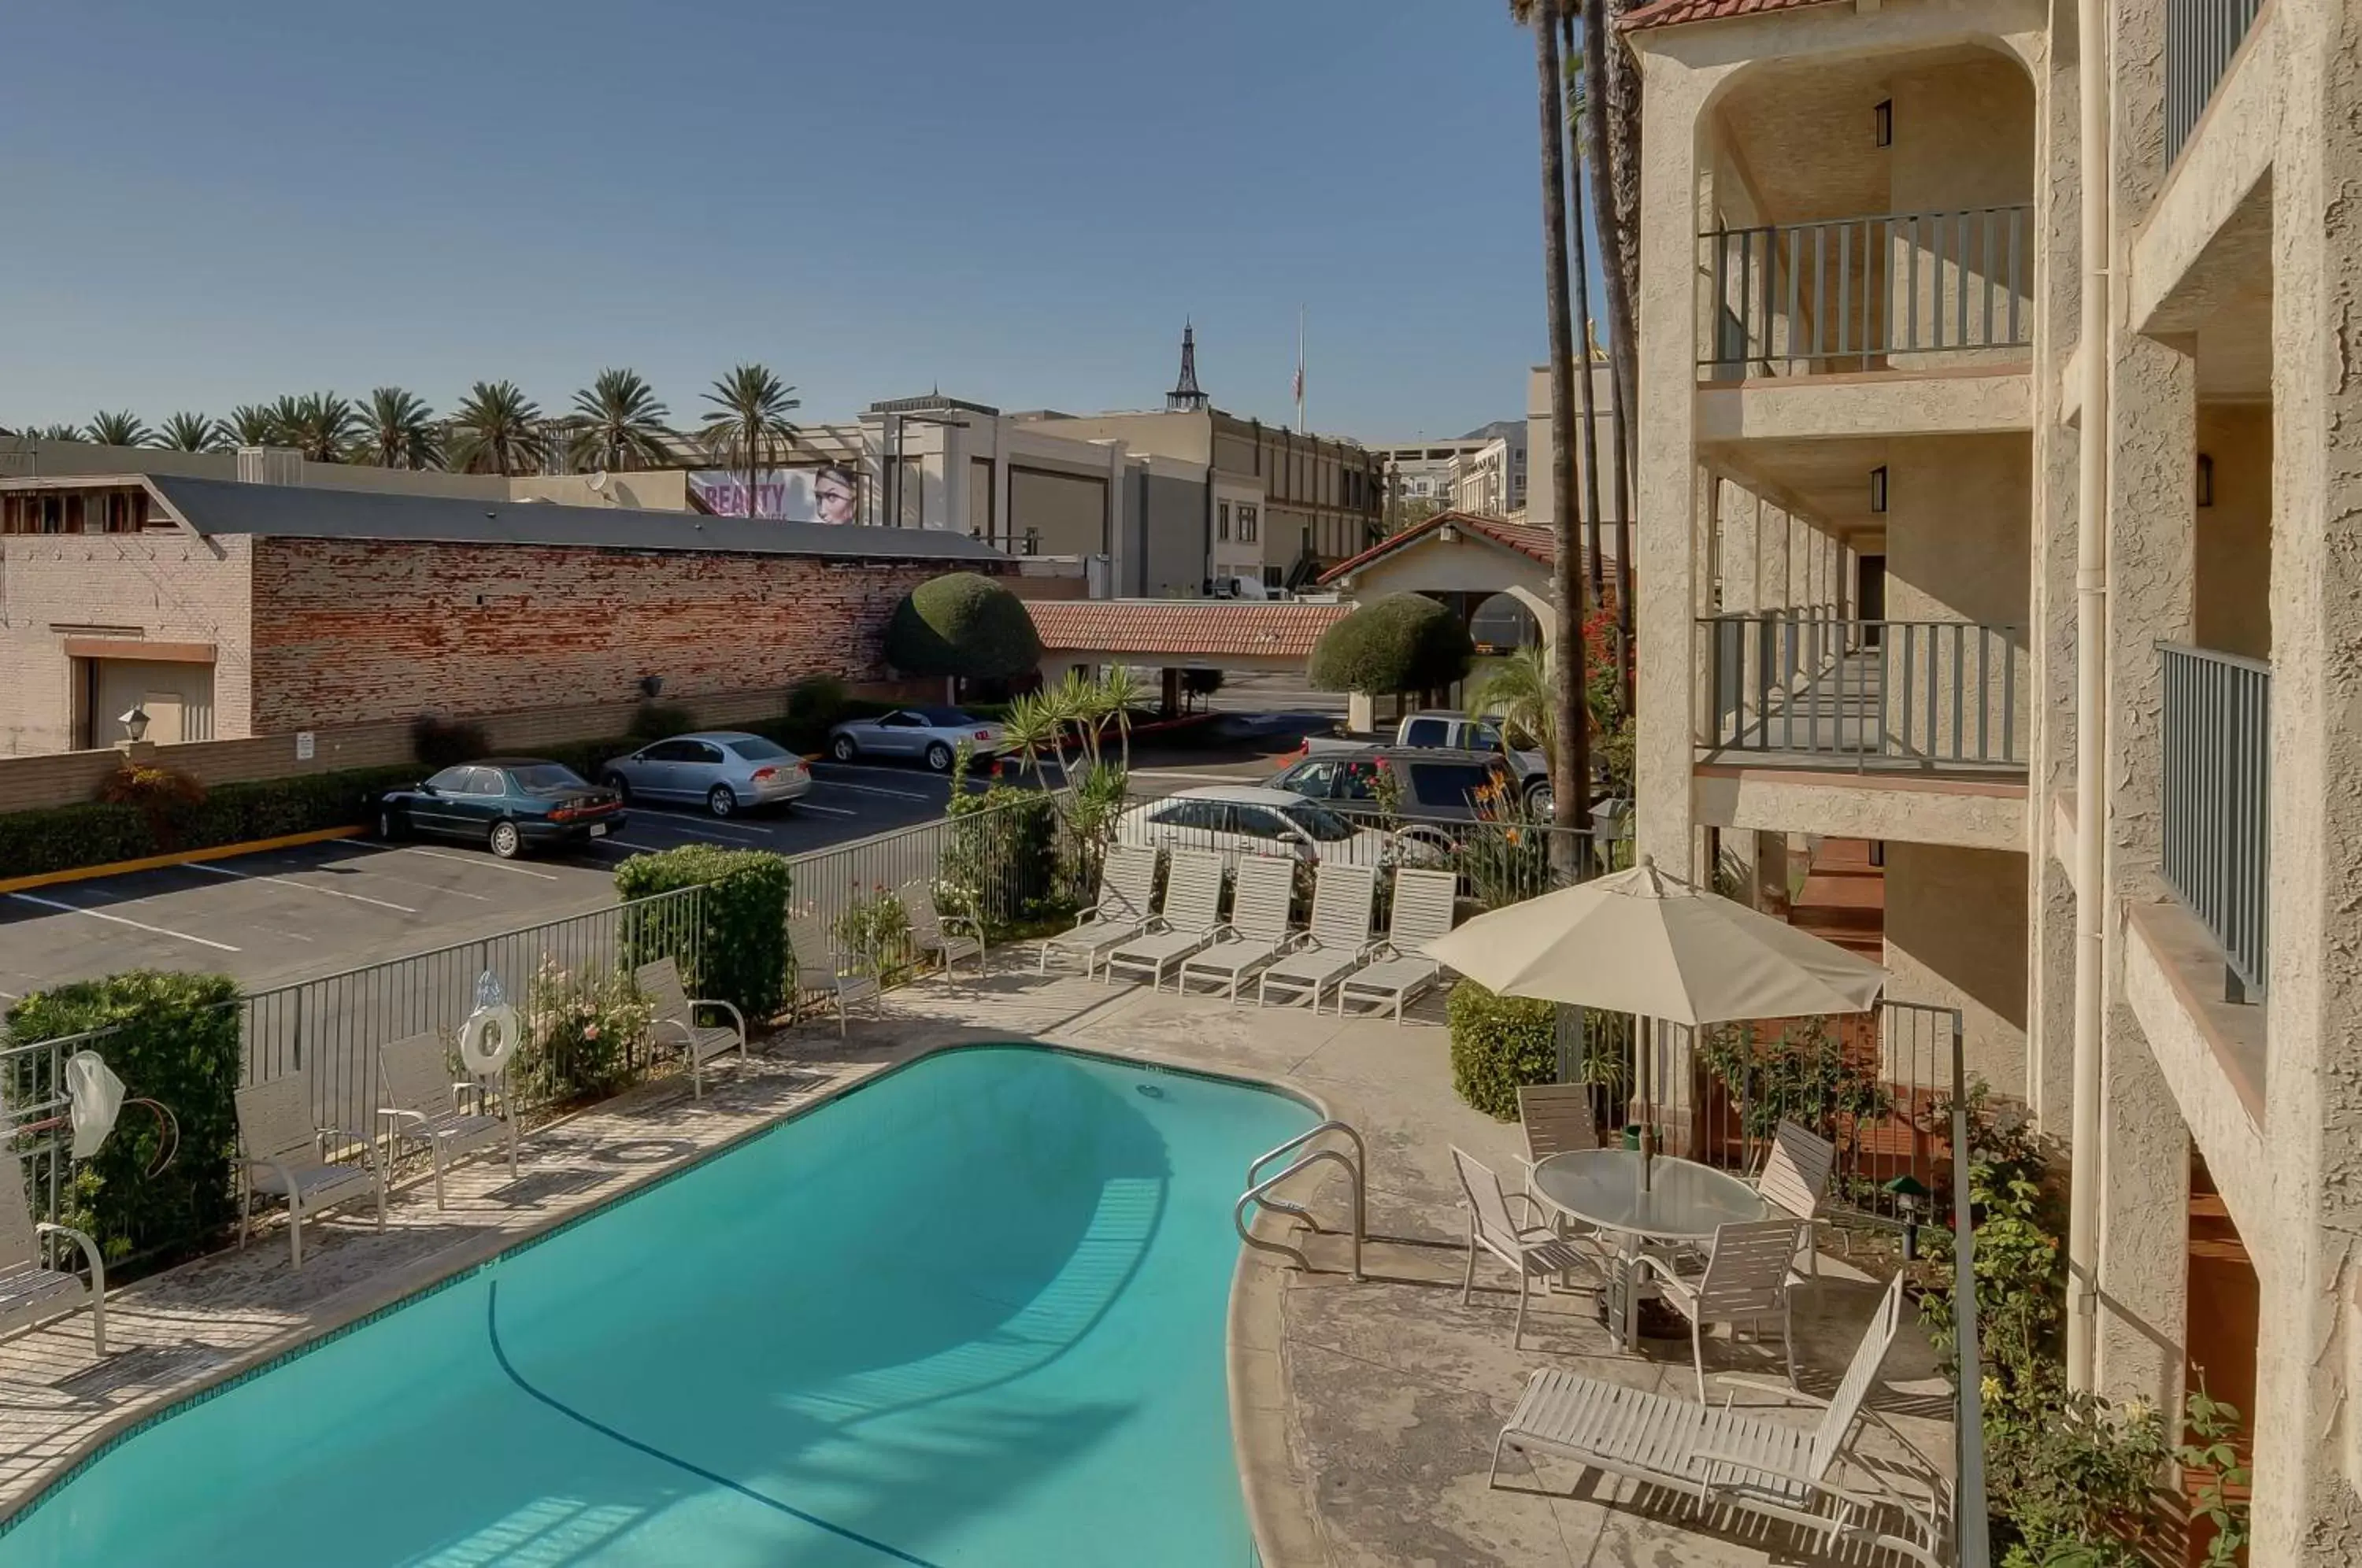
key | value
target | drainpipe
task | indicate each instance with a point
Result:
(2091, 704)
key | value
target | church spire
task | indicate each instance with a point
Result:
(1186, 396)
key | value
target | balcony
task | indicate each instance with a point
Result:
(1801, 689)
(1893, 292)
(2200, 37)
(2217, 813)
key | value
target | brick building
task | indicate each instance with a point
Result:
(228, 610)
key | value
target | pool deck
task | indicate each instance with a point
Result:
(1365, 1412)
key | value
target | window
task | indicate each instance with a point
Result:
(1032, 542)
(539, 778)
(451, 780)
(1427, 732)
(1259, 822)
(1199, 816)
(1272, 577)
(699, 751)
(1248, 528)
(1316, 780)
(1450, 783)
(1317, 822)
(755, 748)
(1222, 521)
(671, 751)
(899, 722)
(486, 781)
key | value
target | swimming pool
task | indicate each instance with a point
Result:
(972, 1313)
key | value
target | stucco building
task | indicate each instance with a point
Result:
(1996, 467)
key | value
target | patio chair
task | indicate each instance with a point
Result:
(1127, 890)
(32, 1292)
(1256, 932)
(1192, 913)
(1399, 968)
(1342, 896)
(1745, 1280)
(419, 1103)
(282, 1153)
(1795, 1179)
(820, 969)
(674, 1018)
(1722, 1457)
(949, 937)
(1534, 1250)
(1558, 1120)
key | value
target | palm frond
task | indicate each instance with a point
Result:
(120, 428)
(190, 433)
(498, 430)
(619, 423)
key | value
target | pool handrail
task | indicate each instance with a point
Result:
(1258, 1191)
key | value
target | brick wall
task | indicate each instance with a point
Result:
(351, 630)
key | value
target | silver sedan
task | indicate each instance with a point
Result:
(930, 734)
(728, 770)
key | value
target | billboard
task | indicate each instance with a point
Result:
(829, 493)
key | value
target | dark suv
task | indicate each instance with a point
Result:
(1436, 783)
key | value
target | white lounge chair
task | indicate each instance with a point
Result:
(674, 1020)
(32, 1292)
(1256, 932)
(420, 1104)
(1536, 1250)
(1399, 968)
(282, 1153)
(1722, 1457)
(1793, 1180)
(1745, 1280)
(1127, 889)
(1342, 896)
(949, 937)
(821, 971)
(1192, 913)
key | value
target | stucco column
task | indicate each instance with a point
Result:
(2309, 1436)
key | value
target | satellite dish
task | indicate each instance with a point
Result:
(599, 482)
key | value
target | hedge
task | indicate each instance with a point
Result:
(61, 838)
(1499, 1045)
(176, 1041)
(1404, 642)
(742, 938)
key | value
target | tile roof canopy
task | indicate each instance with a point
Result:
(1524, 538)
(1671, 13)
(1183, 628)
(305, 511)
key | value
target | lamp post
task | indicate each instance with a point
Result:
(135, 725)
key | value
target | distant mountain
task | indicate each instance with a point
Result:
(1495, 430)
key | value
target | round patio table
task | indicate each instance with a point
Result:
(1684, 1201)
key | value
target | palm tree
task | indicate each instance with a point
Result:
(749, 422)
(1578, 106)
(190, 433)
(1612, 153)
(1122, 693)
(1571, 758)
(120, 428)
(620, 424)
(1030, 728)
(254, 425)
(1521, 690)
(54, 432)
(399, 431)
(321, 426)
(498, 430)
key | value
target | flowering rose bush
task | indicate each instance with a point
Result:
(580, 1033)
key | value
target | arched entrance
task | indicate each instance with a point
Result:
(1502, 623)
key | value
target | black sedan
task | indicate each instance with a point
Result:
(508, 804)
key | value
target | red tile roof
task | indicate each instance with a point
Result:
(1671, 13)
(1524, 538)
(1183, 628)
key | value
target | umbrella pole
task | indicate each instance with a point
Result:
(1645, 1037)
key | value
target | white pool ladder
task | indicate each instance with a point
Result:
(1259, 1189)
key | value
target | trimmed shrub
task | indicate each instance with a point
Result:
(1404, 642)
(61, 838)
(176, 1041)
(817, 701)
(659, 720)
(438, 742)
(1499, 1045)
(962, 624)
(741, 945)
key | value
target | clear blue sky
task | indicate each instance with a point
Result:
(205, 205)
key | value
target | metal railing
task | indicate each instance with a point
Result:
(2200, 37)
(1917, 693)
(1863, 293)
(1001, 865)
(2217, 738)
(332, 1025)
(35, 1124)
(1260, 1187)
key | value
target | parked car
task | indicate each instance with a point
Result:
(1437, 731)
(929, 733)
(509, 804)
(1435, 784)
(1246, 819)
(728, 770)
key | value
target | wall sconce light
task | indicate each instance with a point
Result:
(1882, 122)
(2205, 480)
(135, 724)
(650, 685)
(1878, 488)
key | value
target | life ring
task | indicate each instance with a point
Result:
(488, 1039)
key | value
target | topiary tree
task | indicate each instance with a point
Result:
(962, 625)
(1405, 642)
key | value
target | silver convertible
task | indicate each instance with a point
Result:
(930, 734)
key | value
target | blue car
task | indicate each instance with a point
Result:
(509, 804)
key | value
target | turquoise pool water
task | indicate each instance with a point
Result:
(972, 1313)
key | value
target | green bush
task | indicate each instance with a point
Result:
(438, 742)
(1000, 862)
(659, 720)
(962, 624)
(62, 838)
(1498, 1046)
(58, 838)
(1404, 642)
(817, 702)
(176, 1041)
(578, 1031)
(742, 945)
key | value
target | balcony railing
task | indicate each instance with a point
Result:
(2200, 37)
(1894, 291)
(1817, 691)
(2217, 743)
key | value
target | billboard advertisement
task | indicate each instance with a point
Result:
(830, 493)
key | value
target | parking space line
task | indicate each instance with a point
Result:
(118, 920)
(825, 811)
(466, 860)
(863, 767)
(306, 886)
(703, 829)
(873, 790)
